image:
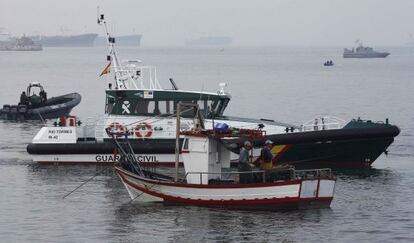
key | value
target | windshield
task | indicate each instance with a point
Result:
(210, 106)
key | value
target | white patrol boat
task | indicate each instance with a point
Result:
(136, 101)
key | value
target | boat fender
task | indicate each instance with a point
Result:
(62, 121)
(116, 127)
(6, 108)
(72, 121)
(13, 108)
(22, 108)
(143, 130)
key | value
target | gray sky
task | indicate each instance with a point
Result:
(255, 22)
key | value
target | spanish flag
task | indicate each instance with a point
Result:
(106, 70)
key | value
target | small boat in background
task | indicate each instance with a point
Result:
(328, 63)
(33, 106)
(363, 52)
(20, 44)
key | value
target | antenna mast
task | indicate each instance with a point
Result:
(127, 73)
(113, 56)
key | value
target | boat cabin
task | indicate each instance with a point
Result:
(161, 102)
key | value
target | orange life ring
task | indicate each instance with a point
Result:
(143, 130)
(116, 127)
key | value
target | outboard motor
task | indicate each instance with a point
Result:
(13, 112)
(22, 110)
(35, 100)
(5, 112)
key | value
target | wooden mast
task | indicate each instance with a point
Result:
(177, 141)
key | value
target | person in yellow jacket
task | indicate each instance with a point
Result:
(266, 156)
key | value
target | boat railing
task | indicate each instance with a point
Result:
(143, 77)
(274, 174)
(323, 123)
(228, 173)
(92, 128)
(99, 131)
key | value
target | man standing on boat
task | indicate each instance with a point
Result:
(43, 95)
(24, 100)
(266, 156)
(244, 165)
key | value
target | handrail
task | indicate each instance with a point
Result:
(323, 123)
(297, 174)
(226, 172)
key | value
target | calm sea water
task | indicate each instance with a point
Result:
(286, 84)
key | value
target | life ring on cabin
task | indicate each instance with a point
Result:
(143, 130)
(116, 127)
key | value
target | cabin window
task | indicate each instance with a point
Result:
(175, 107)
(141, 107)
(156, 108)
(203, 106)
(109, 108)
(162, 107)
(145, 107)
(151, 107)
(167, 107)
(209, 104)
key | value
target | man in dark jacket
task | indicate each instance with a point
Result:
(266, 156)
(24, 100)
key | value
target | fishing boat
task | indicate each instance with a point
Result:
(328, 63)
(206, 183)
(135, 94)
(34, 105)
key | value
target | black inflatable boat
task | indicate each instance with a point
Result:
(34, 106)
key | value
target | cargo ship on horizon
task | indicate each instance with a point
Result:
(82, 40)
(20, 44)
